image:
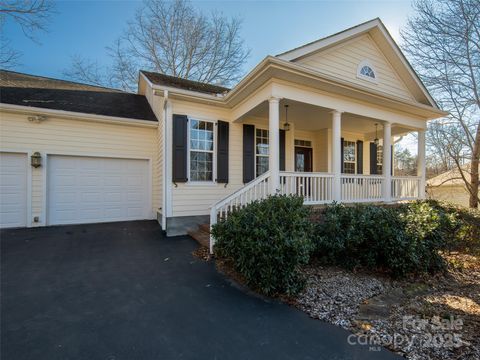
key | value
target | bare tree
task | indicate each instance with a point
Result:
(31, 15)
(173, 38)
(442, 40)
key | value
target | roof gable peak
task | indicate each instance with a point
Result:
(380, 35)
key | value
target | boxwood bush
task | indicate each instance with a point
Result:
(267, 242)
(398, 239)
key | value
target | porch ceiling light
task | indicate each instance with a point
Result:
(376, 141)
(36, 159)
(286, 126)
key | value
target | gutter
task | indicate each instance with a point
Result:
(285, 65)
(19, 109)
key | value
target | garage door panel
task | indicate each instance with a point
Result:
(100, 189)
(113, 197)
(13, 190)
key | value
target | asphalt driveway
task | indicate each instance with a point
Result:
(124, 291)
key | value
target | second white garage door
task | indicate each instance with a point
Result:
(13, 190)
(92, 189)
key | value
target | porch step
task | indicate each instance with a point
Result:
(205, 228)
(201, 234)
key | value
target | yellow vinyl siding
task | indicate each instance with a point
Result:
(76, 137)
(342, 61)
(190, 199)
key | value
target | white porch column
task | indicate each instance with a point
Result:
(387, 161)
(421, 163)
(336, 154)
(274, 143)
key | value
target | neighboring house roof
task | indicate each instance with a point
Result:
(185, 84)
(46, 93)
(451, 177)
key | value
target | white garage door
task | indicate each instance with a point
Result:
(13, 190)
(90, 189)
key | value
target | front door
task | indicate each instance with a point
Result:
(303, 163)
(303, 159)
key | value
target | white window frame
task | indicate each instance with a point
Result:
(257, 155)
(364, 77)
(214, 157)
(305, 141)
(381, 159)
(350, 162)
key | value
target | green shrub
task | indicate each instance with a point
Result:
(266, 242)
(398, 239)
(464, 235)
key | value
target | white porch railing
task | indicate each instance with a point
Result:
(256, 189)
(316, 188)
(361, 188)
(405, 187)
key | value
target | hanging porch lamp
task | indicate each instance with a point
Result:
(286, 126)
(376, 141)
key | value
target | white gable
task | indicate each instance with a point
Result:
(345, 60)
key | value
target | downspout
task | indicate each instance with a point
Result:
(165, 204)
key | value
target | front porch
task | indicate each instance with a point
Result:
(323, 155)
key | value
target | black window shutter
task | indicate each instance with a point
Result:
(341, 155)
(282, 150)
(222, 152)
(373, 158)
(359, 157)
(179, 148)
(248, 153)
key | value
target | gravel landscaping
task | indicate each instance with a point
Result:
(401, 315)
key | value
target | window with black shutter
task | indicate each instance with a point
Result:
(179, 148)
(359, 157)
(248, 153)
(222, 151)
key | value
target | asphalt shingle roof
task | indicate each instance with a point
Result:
(172, 81)
(46, 93)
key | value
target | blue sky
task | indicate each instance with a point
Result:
(269, 27)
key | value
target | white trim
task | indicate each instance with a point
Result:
(165, 185)
(29, 190)
(350, 162)
(278, 64)
(260, 127)
(168, 158)
(77, 115)
(307, 49)
(213, 151)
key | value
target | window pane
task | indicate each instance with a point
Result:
(348, 151)
(349, 168)
(201, 139)
(367, 71)
(262, 142)
(201, 166)
(380, 154)
(262, 151)
(262, 165)
(201, 135)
